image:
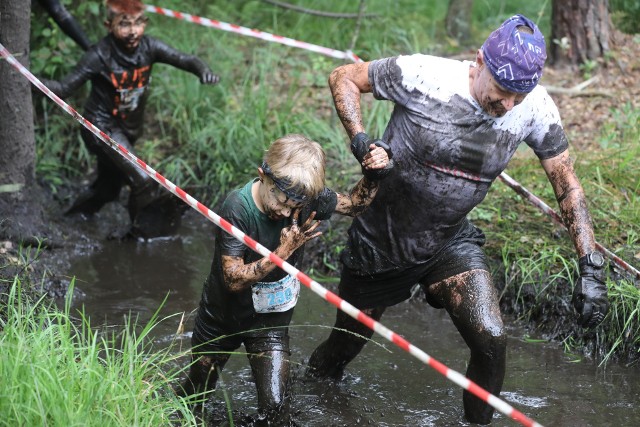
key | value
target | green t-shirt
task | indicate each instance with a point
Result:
(235, 309)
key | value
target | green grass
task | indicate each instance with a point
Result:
(56, 370)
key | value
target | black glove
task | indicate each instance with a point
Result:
(208, 78)
(590, 295)
(360, 147)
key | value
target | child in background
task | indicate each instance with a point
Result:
(246, 299)
(119, 68)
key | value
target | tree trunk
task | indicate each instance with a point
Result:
(20, 213)
(458, 20)
(580, 31)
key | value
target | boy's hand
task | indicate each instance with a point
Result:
(376, 158)
(208, 78)
(296, 235)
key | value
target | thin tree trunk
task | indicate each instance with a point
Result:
(458, 20)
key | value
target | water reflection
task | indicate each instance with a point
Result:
(384, 386)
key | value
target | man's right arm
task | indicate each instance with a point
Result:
(347, 83)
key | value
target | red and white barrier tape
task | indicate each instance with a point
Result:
(327, 295)
(253, 33)
(518, 188)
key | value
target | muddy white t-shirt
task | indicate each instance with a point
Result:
(447, 151)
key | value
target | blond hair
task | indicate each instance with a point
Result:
(298, 161)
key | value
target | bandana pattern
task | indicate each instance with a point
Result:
(284, 185)
(515, 58)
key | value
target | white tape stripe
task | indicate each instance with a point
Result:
(253, 33)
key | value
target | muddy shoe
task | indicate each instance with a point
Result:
(159, 218)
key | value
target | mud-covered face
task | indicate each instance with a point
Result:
(128, 29)
(493, 98)
(275, 204)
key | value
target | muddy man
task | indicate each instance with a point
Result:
(119, 68)
(454, 127)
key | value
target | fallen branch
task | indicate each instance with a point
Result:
(578, 90)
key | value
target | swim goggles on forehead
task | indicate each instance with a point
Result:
(284, 185)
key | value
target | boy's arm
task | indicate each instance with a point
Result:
(363, 193)
(361, 196)
(239, 276)
(66, 22)
(191, 63)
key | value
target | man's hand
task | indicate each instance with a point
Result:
(590, 297)
(375, 156)
(208, 78)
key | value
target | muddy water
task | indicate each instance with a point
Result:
(384, 386)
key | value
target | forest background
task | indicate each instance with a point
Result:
(210, 139)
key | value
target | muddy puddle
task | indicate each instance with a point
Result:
(384, 386)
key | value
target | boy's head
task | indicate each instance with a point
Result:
(126, 22)
(294, 169)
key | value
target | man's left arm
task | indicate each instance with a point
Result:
(571, 201)
(590, 292)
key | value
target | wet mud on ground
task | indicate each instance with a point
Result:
(384, 386)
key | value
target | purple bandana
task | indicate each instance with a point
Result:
(514, 57)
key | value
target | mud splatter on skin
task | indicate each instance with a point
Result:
(472, 302)
(471, 294)
(239, 276)
(573, 205)
(346, 83)
(358, 199)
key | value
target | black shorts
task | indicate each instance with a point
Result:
(462, 253)
(269, 332)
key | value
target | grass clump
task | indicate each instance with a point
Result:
(58, 371)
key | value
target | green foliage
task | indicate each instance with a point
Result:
(587, 68)
(625, 15)
(57, 371)
(622, 331)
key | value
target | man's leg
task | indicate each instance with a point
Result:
(269, 359)
(472, 302)
(346, 340)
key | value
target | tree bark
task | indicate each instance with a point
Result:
(458, 20)
(20, 213)
(580, 31)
